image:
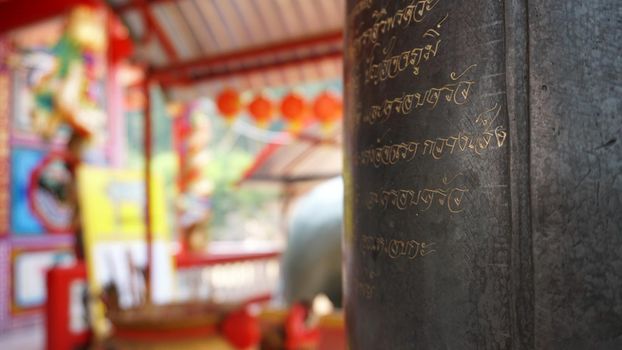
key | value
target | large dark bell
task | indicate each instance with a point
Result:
(483, 174)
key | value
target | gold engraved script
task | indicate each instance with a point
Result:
(365, 289)
(395, 248)
(384, 23)
(392, 65)
(456, 92)
(447, 197)
(437, 148)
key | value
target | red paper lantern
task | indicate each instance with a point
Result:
(261, 110)
(294, 110)
(327, 108)
(228, 102)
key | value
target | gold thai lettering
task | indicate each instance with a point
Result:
(365, 289)
(385, 23)
(437, 148)
(396, 248)
(456, 92)
(390, 66)
(448, 197)
(454, 201)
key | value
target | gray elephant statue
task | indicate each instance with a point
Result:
(312, 259)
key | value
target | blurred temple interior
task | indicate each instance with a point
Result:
(310, 174)
(171, 174)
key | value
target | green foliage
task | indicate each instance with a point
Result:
(224, 170)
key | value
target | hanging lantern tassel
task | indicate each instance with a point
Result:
(261, 110)
(327, 108)
(294, 110)
(229, 105)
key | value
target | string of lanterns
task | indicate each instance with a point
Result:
(326, 109)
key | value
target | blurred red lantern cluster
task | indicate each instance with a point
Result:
(295, 110)
(327, 108)
(261, 110)
(229, 104)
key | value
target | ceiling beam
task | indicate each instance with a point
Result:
(154, 26)
(135, 4)
(183, 70)
(167, 81)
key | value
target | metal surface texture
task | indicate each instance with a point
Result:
(483, 174)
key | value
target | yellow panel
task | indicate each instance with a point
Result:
(112, 211)
(112, 205)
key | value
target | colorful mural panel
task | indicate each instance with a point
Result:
(23, 220)
(29, 268)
